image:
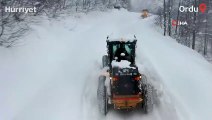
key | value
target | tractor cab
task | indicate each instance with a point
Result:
(121, 50)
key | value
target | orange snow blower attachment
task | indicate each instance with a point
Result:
(126, 101)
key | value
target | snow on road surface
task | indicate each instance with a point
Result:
(53, 74)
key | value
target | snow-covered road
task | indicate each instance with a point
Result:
(53, 76)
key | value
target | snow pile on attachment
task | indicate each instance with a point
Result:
(123, 64)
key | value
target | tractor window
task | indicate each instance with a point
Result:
(121, 51)
(128, 49)
(118, 49)
(115, 47)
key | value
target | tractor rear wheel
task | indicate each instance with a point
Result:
(102, 96)
(105, 61)
(148, 98)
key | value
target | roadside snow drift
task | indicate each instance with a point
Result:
(53, 74)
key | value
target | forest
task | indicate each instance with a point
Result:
(197, 34)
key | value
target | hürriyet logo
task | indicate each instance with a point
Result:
(20, 9)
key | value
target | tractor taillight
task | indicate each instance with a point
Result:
(137, 78)
(115, 78)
